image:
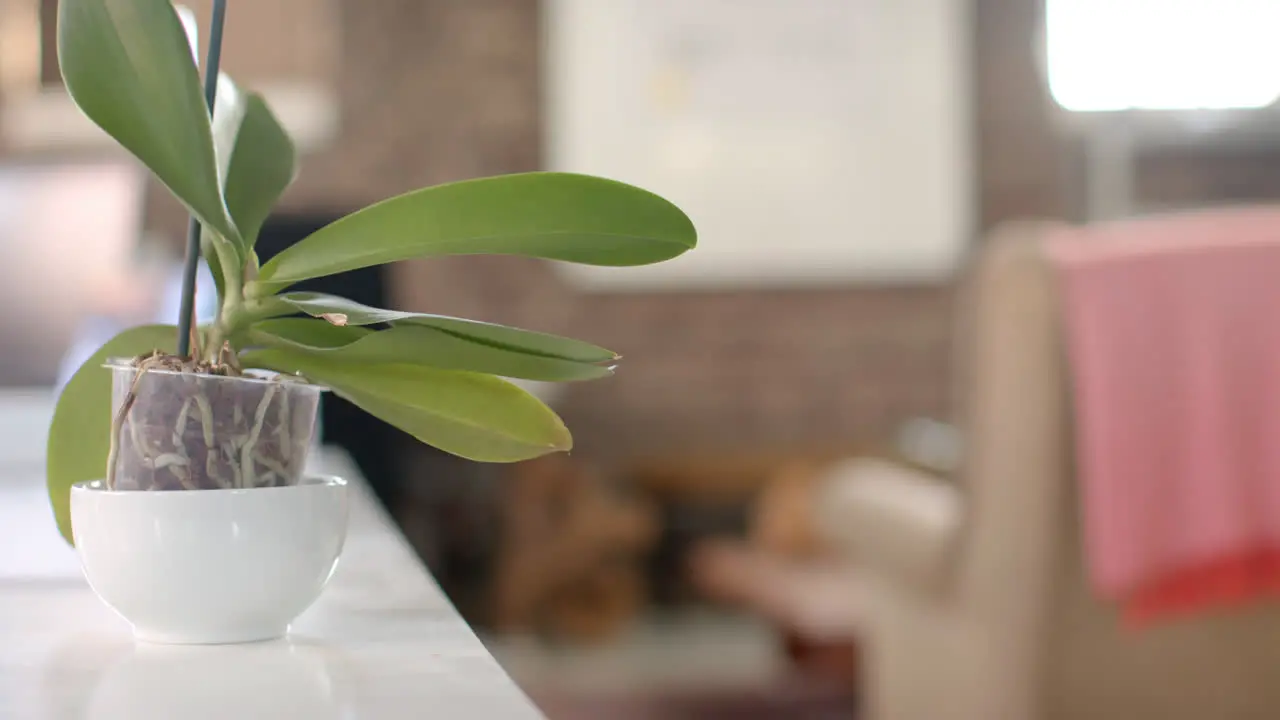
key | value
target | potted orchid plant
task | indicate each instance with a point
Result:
(222, 414)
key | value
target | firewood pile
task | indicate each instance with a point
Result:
(570, 563)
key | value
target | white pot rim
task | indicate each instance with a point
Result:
(308, 481)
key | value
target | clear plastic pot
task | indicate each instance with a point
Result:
(189, 431)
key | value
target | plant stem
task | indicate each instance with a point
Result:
(229, 312)
(266, 308)
(212, 62)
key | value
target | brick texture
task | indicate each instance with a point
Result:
(1024, 163)
(439, 90)
(1189, 176)
(436, 90)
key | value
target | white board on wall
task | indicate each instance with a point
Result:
(809, 140)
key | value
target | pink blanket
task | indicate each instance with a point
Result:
(1173, 334)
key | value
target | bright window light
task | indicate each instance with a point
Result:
(1163, 54)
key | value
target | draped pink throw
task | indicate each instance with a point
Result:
(1173, 339)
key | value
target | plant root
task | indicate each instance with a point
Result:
(155, 443)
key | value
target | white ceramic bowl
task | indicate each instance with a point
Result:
(210, 566)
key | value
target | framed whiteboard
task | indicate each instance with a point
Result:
(809, 140)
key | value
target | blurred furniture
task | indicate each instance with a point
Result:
(570, 561)
(783, 572)
(977, 605)
(787, 573)
(382, 641)
(452, 511)
(709, 496)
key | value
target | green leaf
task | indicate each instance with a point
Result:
(256, 163)
(475, 416)
(128, 66)
(257, 159)
(500, 337)
(210, 255)
(80, 436)
(558, 216)
(316, 334)
(420, 345)
(222, 255)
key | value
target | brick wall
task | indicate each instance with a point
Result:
(1025, 167)
(1191, 175)
(436, 90)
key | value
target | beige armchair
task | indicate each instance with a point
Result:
(979, 608)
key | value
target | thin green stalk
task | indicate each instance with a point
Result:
(229, 314)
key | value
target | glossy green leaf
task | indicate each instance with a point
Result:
(528, 342)
(257, 162)
(257, 158)
(210, 254)
(316, 334)
(475, 416)
(80, 436)
(128, 66)
(229, 111)
(558, 216)
(421, 345)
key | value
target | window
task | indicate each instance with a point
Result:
(1162, 54)
(811, 141)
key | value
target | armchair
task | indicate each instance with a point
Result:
(978, 607)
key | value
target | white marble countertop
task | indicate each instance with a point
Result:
(382, 642)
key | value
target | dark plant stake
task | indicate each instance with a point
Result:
(212, 64)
